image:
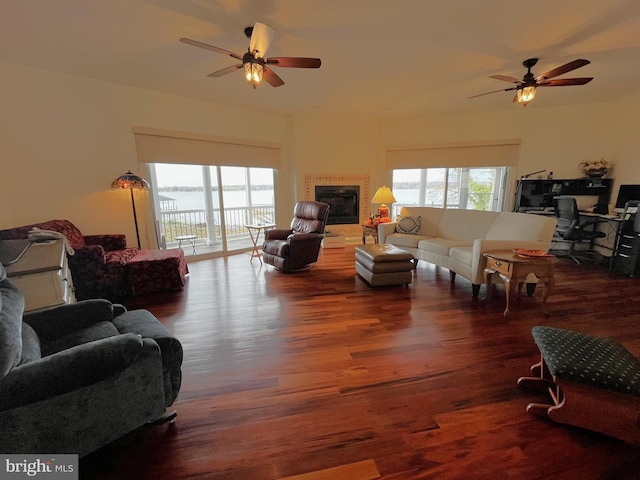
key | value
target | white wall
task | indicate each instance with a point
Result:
(63, 139)
(555, 139)
(336, 145)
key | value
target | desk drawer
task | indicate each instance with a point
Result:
(500, 266)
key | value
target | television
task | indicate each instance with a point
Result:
(626, 193)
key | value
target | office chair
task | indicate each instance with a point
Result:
(570, 230)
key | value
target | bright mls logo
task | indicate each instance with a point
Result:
(51, 467)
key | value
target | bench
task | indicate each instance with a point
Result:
(593, 382)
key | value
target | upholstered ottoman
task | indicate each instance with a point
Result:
(156, 271)
(384, 264)
(593, 382)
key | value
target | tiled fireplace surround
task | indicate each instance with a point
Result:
(311, 181)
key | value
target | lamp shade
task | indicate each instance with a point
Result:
(383, 195)
(130, 180)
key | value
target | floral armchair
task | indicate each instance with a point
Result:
(101, 264)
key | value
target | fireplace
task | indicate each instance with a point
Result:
(361, 182)
(344, 201)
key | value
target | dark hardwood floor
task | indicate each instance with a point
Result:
(316, 375)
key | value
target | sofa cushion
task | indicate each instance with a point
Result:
(465, 224)
(121, 256)
(439, 245)
(410, 225)
(65, 227)
(11, 309)
(404, 239)
(430, 218)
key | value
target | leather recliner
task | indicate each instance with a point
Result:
(297, 248)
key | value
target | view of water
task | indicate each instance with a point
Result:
(190, 200)
(195, 200)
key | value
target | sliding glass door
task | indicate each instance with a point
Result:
(209, 206)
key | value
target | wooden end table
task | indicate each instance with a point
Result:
(513, 270)
(367, 230)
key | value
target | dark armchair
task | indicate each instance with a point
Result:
(77, 377)
(297, 248)
(569, 228)
(103, 267)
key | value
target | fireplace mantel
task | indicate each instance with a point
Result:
(311, 181)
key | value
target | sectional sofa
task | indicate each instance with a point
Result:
(457, 239)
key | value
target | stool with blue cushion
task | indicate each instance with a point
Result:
(593, 382)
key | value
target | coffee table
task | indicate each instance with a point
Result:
(513, 270)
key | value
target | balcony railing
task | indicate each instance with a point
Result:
(175, 223)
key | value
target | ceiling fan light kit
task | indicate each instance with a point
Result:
(253, 72)
(527, 87)
(526, 94)
(256, 67)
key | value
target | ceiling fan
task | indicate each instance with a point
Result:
(526, 88)
(256, 66)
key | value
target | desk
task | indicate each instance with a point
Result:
(254, 233)
(191, 239)
(513, 270)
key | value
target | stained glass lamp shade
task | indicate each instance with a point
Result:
(132, 182)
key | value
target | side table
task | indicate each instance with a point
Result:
(254, 233)
(42, 274)
(513, 270)
(191, 239)
(366, 230)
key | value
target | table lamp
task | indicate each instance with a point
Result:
(383, 196)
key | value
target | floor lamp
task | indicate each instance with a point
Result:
(132, 182)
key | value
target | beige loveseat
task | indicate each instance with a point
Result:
(457, 239)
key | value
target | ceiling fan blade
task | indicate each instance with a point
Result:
(562, 82)
(195, 43)
(271, 77)
(294, 62)
(261, 37)
(495, 91)
(506, 78)
(225, 71)
(567, 67)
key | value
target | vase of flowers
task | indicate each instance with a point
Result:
(595, 169)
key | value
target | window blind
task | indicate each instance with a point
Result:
(163, 146)
(477, 154)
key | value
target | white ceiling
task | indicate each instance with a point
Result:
(379, 57)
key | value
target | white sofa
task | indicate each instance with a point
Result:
(457, 239)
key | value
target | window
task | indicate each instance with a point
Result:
(478, 188)
(214, 203)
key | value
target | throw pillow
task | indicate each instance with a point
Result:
(408, 225)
